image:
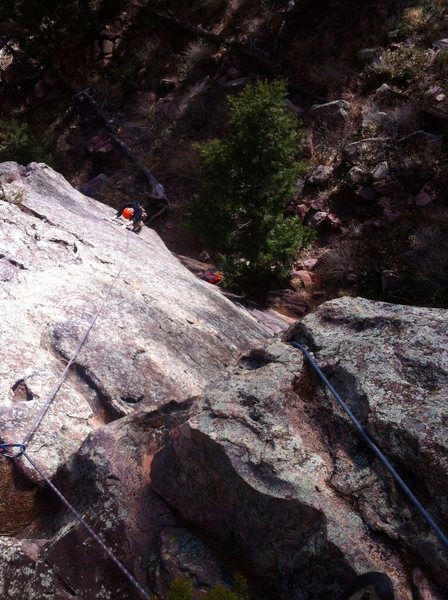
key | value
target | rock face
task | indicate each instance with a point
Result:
(391, 364)
(187, 469)
(162, 334)
(271, 467)
(331, 111)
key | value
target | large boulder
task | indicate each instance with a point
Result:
(390, 363)
(271, 469)
(161, 336)
(108, 482)
(330, 112)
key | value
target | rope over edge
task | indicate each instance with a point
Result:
(46, 406)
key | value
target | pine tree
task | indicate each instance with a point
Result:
(249, 176)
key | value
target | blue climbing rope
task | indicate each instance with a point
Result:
(378, 453)
(8, 450)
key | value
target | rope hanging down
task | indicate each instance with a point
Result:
(378, 453)
(15, 451)
(87, 527)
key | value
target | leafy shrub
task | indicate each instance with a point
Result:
(182, 589)
(40, 27)
(19, 143)
(249, 175)
(412, 21)
(403, 65)
(424, 20)
(221, 593)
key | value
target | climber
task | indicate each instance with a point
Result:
(211, 276)
(133, 212)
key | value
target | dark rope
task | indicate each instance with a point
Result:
(378, 453)
(43, 411)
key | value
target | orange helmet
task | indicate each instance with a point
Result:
(128, 213)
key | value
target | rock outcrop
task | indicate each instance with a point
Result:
(189, 469)
(282, 475)
(162, 335)
(283, 479)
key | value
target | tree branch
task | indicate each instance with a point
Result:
(157, 189)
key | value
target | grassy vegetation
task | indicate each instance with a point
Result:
(402, 65)
(423, 20)
(182, 589)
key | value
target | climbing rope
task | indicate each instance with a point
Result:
(87, 527)
(378, 453)
(8, 451)
(43, 411)
(16, 451)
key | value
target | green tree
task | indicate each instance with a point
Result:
(19, 143)
(248, 177)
